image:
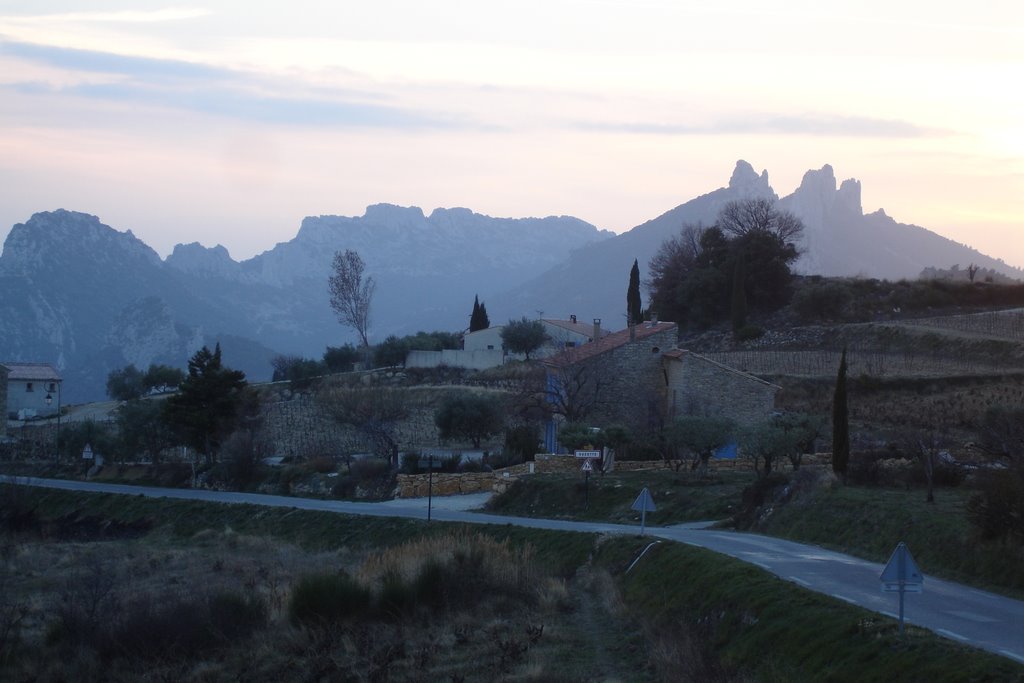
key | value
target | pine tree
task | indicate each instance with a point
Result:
(634, 306)
(840, 422)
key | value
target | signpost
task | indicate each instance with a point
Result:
(587, 468)
(642, 504)
(901, 575)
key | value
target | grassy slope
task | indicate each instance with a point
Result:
(751, 621)
(679, 498)
(867, 522)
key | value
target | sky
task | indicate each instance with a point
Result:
(228, 122)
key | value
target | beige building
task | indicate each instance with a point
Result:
(33, 390)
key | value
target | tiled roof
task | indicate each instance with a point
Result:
(606, 343)
(583, 329)
(32, 372)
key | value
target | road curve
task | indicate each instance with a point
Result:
(971, 616)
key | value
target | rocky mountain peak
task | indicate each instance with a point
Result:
(848, 197)
(196, 259)
(748, 184)
(394, 216)
(34, 248)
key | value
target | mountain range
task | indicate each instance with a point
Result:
(89, 298)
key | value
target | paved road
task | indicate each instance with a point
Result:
(985, 620)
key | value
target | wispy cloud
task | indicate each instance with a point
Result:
(111, 63)
(125, 17)
(771, 124)
(206, 89)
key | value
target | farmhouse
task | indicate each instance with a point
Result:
(33, 390)
(696, 385)
(637, 377)
(617, 378)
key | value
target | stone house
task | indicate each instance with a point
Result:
(618, 378)
(637, 377)
(33, 390)
(696, 385)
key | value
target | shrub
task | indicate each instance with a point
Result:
(997, 510)
(324, 599)
(822, 301)
(523, 441)
(410, 463)
(748, 332)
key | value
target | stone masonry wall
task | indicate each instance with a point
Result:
(633, 380)
(699, 386)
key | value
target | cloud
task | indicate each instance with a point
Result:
(125, 17)
(111, 63)
(771, 124)
(206, 89)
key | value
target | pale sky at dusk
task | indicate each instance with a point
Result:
(228, 122)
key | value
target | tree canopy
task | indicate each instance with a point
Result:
(208, 404)
(523, 336)
(472, 417)
(694, 275)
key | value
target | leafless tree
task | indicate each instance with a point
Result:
(928, 446)
(742, 217)
(374, 411)
(351, 293)
(972, 270)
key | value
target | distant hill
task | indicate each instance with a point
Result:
(839, 240)
(89, 298)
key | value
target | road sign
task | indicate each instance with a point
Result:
(644, 502)
(901, 568)
(587, 467)
(894, 587)
(588, 454)
(901, 575)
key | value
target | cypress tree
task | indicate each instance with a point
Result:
(634, 306)
(840, 422)
(478, 319)
(485, 322)
(739, 295)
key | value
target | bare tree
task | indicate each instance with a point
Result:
(351, 292)
(374, 411)
(972, 270)
(742, 217)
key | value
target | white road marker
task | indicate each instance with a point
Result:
(950, 634)
(797, 579)
(843, 598)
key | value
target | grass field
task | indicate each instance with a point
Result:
(574, 614)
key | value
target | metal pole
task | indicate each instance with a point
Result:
(643, 517)
(58, 421)
(430, 484)
(901, 563)
(586, 490)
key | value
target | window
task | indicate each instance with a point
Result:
(53, 387)
(28, 386)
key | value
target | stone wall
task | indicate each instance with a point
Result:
(700, 386)
(481, 359)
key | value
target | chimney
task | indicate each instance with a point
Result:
(597, 329)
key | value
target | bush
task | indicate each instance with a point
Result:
(997, 510)
(748, 332)
(523, 440)
(410, 463)
(822, 301)
(324, 599)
